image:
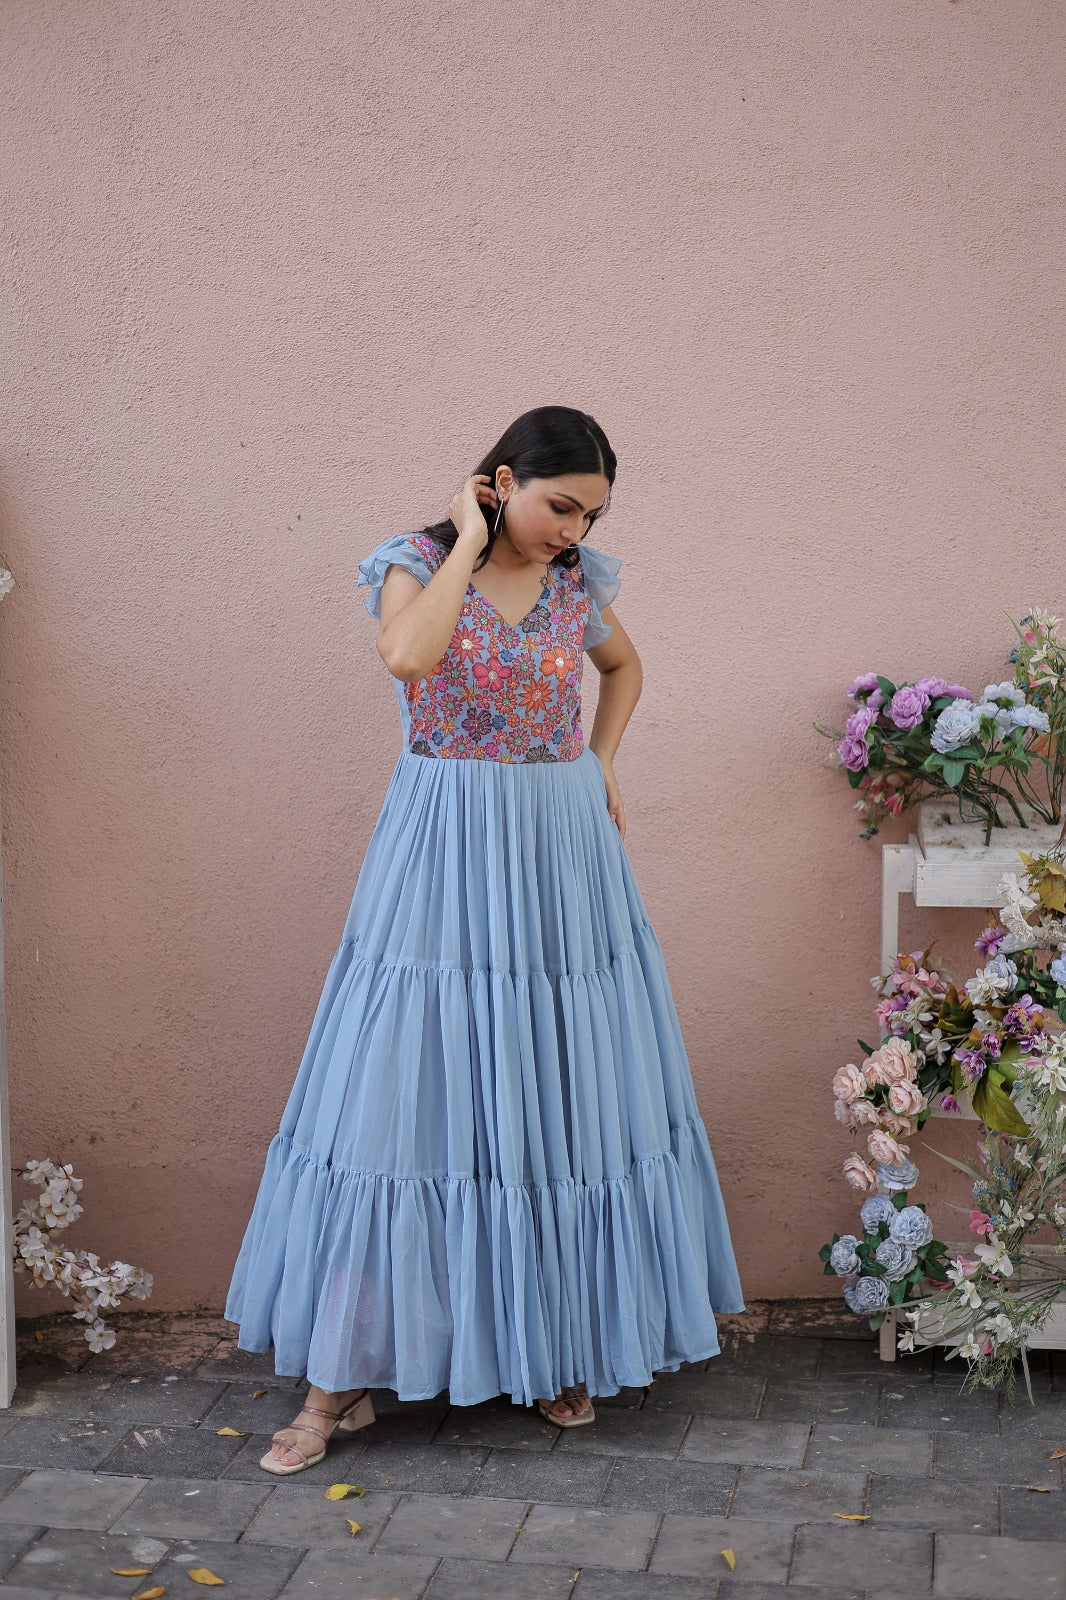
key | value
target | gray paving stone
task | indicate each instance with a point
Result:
(1020, 1460)
(131, 1402)
(20, 1592)
(234, 1407)
(409, 1427)
(783, 1354)
(14, 1542)
(69, 1395)
(250, 1572)
(692, 1547)
(190, 1508)
(696, 1488)
(973, 1568)
(358, 1575)
(456, 1579)
(9, 1476)
(857, 1555)
(79, 1561)
(152, 1451)
(496, 1423)
(732, 1589)
(773, 1494)
(843, 1358)
(430, 1525)
(233, 1364)
(595, 1583)
(296, 1514)
(936, 1407)
(587, 1537)
(57, 1441)
(838, 1447)
(70, 1499)
(789, 1400)
(629, 1399)
(625, 1433)
(532, 1475)
(1025, 1515)
(1045, 1420)
(731, 1394)
(765, 1444)
(947, 1505)
(437, 1468)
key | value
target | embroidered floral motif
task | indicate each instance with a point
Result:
(503, 693)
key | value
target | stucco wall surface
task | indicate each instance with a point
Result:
(274, 277)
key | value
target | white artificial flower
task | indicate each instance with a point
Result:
(969, 1349)
(994, 1255)
(969, 1296)
(1000, 1328)
(905, 1342)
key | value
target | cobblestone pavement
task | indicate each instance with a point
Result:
(764, 1452)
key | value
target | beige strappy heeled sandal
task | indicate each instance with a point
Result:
(575, 1393)
(358, 1413)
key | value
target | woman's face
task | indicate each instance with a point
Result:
(544, 515)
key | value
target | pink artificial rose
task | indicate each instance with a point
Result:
(860, 1174)
(906, 1098)
(894, 1062)
(884, 1148)
(849, 1083)
(864, 1114)
(898, 1127)
(842, 1112)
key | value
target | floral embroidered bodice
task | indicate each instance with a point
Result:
(502, 692)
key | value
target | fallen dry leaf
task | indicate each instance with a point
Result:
(202, 1575)
(132, 1572)
(851, 1516)
(150, 1594)
(38, 1335)
(341, 1491)
(1038, 1488)
(731, 1559)
(1057, 1455)
(230, 1433)
(353, 1527)
(257, 1394)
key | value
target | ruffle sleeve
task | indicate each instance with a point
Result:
(401, 550)
(602, 583)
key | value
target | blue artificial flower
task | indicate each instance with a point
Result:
(1028, 717)
(911, 1227)
(866, 1295)
(842, 1257)
(896, 1259)
(896, 1175)
(876, 1210)
(955, 726)
(1007, 693)
(1057, 970)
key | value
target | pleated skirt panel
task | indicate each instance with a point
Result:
(491, 1175)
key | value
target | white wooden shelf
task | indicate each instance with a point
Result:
(946, 864)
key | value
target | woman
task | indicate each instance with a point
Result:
(491, 1175)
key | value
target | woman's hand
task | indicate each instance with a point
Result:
(465, 509)
(615, 809)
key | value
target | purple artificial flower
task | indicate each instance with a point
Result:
(933, 687)
(949, 1103)
(1020, 1017)
(852, 748)
(957, 692)
(990, 1045)
(988, 943)
(864, 685)
(972, 1062)
(909, 706)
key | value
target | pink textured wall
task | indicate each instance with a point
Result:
(275, 275)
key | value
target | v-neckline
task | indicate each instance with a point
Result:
(513, 626)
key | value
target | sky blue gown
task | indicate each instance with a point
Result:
(491, 1175)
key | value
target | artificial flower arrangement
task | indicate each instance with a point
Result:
(998, 1040)
(78, 1274)
(1000, 755)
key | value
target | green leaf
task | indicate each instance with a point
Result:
(886, 686)
(897, 1293)
(995, 1107)
(864, 1046)
(954, 772)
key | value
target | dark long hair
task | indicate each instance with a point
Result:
(547, 442)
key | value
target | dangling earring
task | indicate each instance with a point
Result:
(499, 519)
